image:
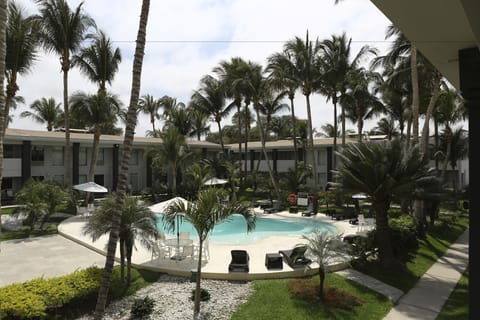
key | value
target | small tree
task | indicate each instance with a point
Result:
(325, 248)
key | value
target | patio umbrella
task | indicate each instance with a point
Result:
(90, 187)
(215, 181)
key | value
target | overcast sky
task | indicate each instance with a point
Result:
(187, 39)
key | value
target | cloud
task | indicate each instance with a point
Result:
(187, 39)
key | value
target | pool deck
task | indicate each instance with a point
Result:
(217, 265)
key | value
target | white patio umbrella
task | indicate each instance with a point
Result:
(90, 187)
(215, 181)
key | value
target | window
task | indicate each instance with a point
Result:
(37, 155)
(100, 157)
(82, 157)
(134, 158)
(57, 156)
(11, 151)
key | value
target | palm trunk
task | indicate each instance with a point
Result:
(431, 105)
(3, 26)
(220, 134)
(93, 159)
(360, 128)
(294, 129)
(408, 135)
(246, 138)
(312, 149)
(262, 139)
(68, 151)
(127, 148)
(383, 232)
(122, 259)
(448, 137)
(129, 249)
(343, 124)
(196, 307)
(240, 137)
(415, 94)
(11, 92)
(321, 274)
(334, 160)
(435, 128)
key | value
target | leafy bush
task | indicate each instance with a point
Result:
(34, 299)
(403, 235)
(204, 295)
(142, 308)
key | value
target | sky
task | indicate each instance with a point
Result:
(187, 39)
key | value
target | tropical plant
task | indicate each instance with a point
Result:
(45, 111)
(198, 123)
(454, 147)
(150, 106)
(22, 42)
(99, 62)
(138, 223)
(131, 121)
(386, 126)
(99, 113)
(383, 170)
(325, 248)
(204, 214)
(63, 31)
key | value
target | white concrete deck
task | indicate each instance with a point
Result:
(217, 266)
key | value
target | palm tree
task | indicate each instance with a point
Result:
(199, 119)
(180, 118)
(336, 65)
(99, 62)
(210, 98)
(45, 111)
(304, 68)
(270, 105)
(127, 149)
(282, 77)
(150, 106)
(382, 171)
(3, 50)
(454, 145)
(171, 152)
(63, 32)
(204, 214)
(328, 130)
(99, 112)
(386, 126)
(22, 45)
(138, 222)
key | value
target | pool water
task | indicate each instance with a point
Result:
(234, 230)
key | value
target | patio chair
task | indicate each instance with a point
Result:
(160, 251)
(188, 251)
(295, 257)
(275, 208)
(240, 261)
(309, 211)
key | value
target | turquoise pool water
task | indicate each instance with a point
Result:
(234, 231)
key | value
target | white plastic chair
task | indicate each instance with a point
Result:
(160, 251)
(361, 222)
(187, 251)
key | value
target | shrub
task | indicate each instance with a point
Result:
(36, 298)
(204, 295)
(142, 308)
(403, 235)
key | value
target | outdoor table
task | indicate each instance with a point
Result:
(177, 243)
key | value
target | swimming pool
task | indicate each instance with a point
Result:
(234, 231)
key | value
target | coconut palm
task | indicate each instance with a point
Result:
(270, 105)
(204, 214)
(150, 106)
(210, 98)
(45, 111)
(138, 223)
(382, 171)
(126, 153)
(99, 62)
(386, 126)
(98, 112)
(454, 145)
(22, 42)
(199, 119)
(304, 68)
(170, 153)
(63, 31)
(180, 118)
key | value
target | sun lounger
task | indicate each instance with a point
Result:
(295, 257)
(240, 261)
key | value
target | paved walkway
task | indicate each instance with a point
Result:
(426, 299)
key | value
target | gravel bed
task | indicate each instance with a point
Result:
(172, 300)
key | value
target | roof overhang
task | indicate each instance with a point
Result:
(439, 29)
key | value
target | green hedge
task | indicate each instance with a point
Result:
(33, 299)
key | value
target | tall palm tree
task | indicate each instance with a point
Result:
(454, 145)
(387, 127)
(180, 118)
(150, 106)
(337, 63)
(171, 152)
(304, 68)
(270, 105)
(3, 49)
(99, 62)
(22, 41)
(98, 112)
(45, 111)
(204, 214)
(198, 123)
(210, 98)
(138, 223)
(127, 149)
(63, 31)
(382, 171)
(282, 77)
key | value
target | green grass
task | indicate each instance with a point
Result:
(456, 307)
(272, 300)
(8, 210)
(25, 232)
(436, 243)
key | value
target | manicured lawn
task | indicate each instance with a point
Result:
(25, 232)
(456, 307)
(438, 240)
(272, 300)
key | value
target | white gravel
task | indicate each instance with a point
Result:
(172, 300)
